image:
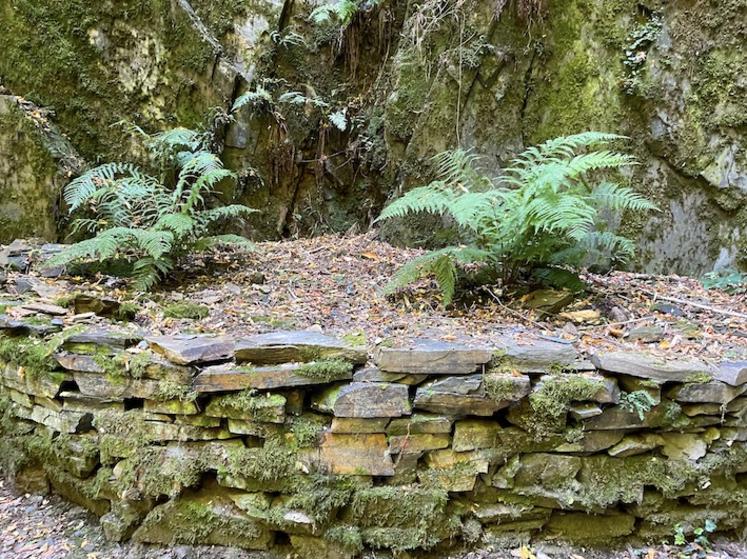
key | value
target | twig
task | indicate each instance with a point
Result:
(513, 312)
(622, 323)
(715, 310)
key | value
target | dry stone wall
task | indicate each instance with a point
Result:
(297, 442)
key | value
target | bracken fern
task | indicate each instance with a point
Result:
(541, 212)
(143, 220)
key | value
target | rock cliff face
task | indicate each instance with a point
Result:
(401, 82)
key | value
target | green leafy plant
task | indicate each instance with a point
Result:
(545, 211)
(731, 281)
(701, 544)
(150, 222)
(342, 12)
(639, 402)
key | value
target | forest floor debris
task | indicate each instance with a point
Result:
(334, 284)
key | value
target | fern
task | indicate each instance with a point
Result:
(139, 219)
(542, 213)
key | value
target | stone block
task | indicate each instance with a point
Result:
(416, 444)
(352, 425)
(361, 454)
(267, 408)
(733, 373)
(211, 518)
(590, 528)
(284, 347)
(229, 377)
(420, 423)
(457, 396)
(714, 392)
(638, 364)
(193, 349)
(366, 400)
(429, 357)
(474, 434)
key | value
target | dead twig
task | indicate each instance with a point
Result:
(701, 306)
(514, 312)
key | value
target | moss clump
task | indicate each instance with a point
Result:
(127, 311)
(191, 311)
(499, 386)
(275, 461)
(36, 356)
(327, 370)
(398, 506)
(698, 378)
(306, 430)
(154, 472)
(172, 390)
(347, 537)
(550, 401)
(355, 339)
(247, 404)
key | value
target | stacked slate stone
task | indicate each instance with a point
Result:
(299, 439)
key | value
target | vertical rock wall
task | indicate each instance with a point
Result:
(409, 79)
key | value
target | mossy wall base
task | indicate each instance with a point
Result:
(412, 453)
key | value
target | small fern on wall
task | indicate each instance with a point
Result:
(545, 210)
(151, 222)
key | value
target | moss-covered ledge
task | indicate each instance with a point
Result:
(300, 440)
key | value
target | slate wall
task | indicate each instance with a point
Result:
(300, 443)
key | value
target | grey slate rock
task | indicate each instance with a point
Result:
(430, 357)
(457, 396)
(193, 349)
(368, 400)
(116, 338)
(732, 372)
(228, 377)
(641, 365)
(302, 345)
(707, 392)
(539, 356)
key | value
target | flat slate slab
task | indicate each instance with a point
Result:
(117, 338)
(539, 356)
(430, 357)
(732, 372)
(302, 345)
(642, 365)
(457, 396)
(708, 392)
(366, 400)
(193, 349)
(228, 377)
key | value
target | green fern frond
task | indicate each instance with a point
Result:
(544, 209)
(441, 264)
(615, 197)
(259, 98)
(434, 198)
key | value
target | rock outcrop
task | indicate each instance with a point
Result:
(350, 117)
